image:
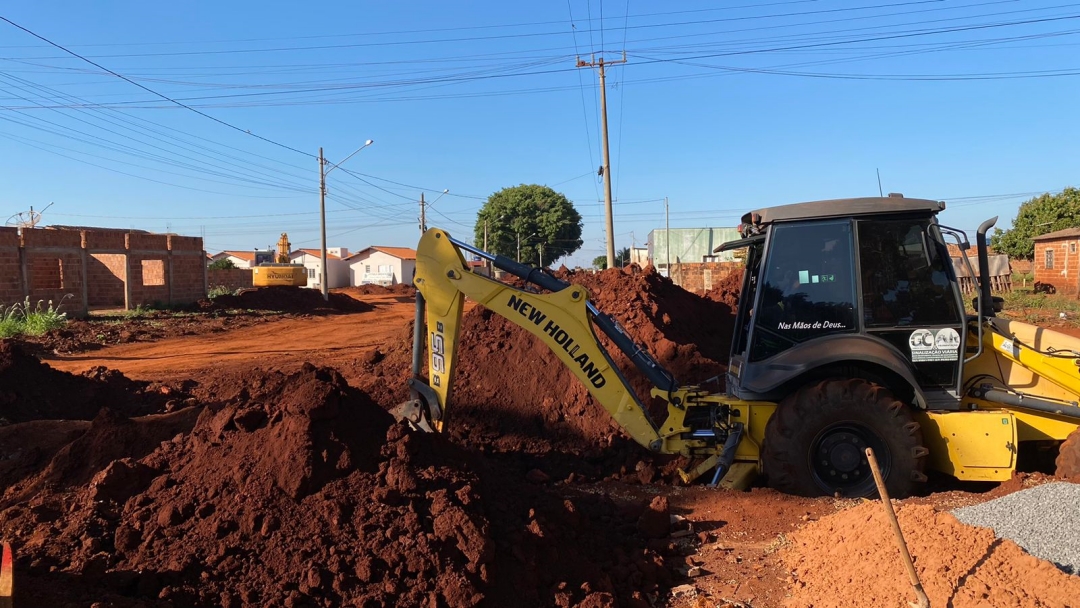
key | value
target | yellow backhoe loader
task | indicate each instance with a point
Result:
(851, 332)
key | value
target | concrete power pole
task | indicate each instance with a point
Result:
(667, 238)
(606, 167)
(322, 216)
(423, 215)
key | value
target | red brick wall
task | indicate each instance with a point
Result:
(104, 239)
(105, 278)
(10, 271)
(43, 266)
(700, 277)
(187, 276)
(141, 293)
(231, 278)
(53, 259)
(1064, 276)
(143, 242)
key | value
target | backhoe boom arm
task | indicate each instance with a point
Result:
(561, 320)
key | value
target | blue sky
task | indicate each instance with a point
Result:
(722, 107)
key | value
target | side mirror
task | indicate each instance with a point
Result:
(997, 302)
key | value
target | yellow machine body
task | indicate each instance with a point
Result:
(978, 442)
(266, 275)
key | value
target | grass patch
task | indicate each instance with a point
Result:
(26, 318)
(1018, 299)
(220, 290)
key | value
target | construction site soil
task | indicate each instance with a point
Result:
(261, 480)
(851, 559)
(286, 299)
(98, 331)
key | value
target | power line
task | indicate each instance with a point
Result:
(151, 91)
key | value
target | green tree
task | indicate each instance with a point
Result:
(533, 216)
(1039, 215)
(622, 257)
(222, 264)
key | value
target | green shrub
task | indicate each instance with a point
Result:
(219, 290)
(30, 319)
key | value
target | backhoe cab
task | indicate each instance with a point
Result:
(851, 332)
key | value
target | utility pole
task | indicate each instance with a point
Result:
(606, 167)
(423, 215)
(323, 282)
(519, 248)
(540, 248)
(322, 216)
(667, 237)
(879, 190)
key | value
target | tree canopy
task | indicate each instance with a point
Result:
(1040, 215)
(222, 264)
(542, 218)
(622, 256)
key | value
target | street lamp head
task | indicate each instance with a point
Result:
(369, 142)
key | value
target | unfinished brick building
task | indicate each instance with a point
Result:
(99, 268)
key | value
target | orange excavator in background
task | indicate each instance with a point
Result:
(280, 271)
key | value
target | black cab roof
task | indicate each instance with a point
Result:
(841, 208)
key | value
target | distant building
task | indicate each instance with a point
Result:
(244, 259)
(337, 270)
(379, 265)
(1057, 261)
(689, 246)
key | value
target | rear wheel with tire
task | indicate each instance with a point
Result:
(815, 442)
(1068, 459)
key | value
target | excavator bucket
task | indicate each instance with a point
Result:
(7, 585)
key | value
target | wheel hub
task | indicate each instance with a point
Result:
(838, 458)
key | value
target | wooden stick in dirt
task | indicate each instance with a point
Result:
(6, 576)
(924, 602)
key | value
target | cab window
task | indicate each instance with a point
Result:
(905, 275)
(808, 289)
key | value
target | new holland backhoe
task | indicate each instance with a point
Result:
(851, 332)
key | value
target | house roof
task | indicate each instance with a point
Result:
(314, 253)
(1059, 234)
(247, 256)
(402, 253)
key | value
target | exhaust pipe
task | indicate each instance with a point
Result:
(986, 304)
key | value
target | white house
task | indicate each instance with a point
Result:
(337, 270)
(244, 259)
(382, 266)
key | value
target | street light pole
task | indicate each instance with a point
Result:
(322, 221)
(323, 283)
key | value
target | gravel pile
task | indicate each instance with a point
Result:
(1044, 520)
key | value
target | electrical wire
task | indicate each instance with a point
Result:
(151, 91)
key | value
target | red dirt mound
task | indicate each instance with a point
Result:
(851, 559)
(286, 299)
(367, 290)
(727, 290)
(297, 490)
(512, 394)
(31, 390)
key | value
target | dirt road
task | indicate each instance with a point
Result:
(322, 340)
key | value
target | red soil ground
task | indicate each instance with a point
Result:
(851, 559)
(283, 485)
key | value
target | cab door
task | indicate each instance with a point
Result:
(909, 300)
